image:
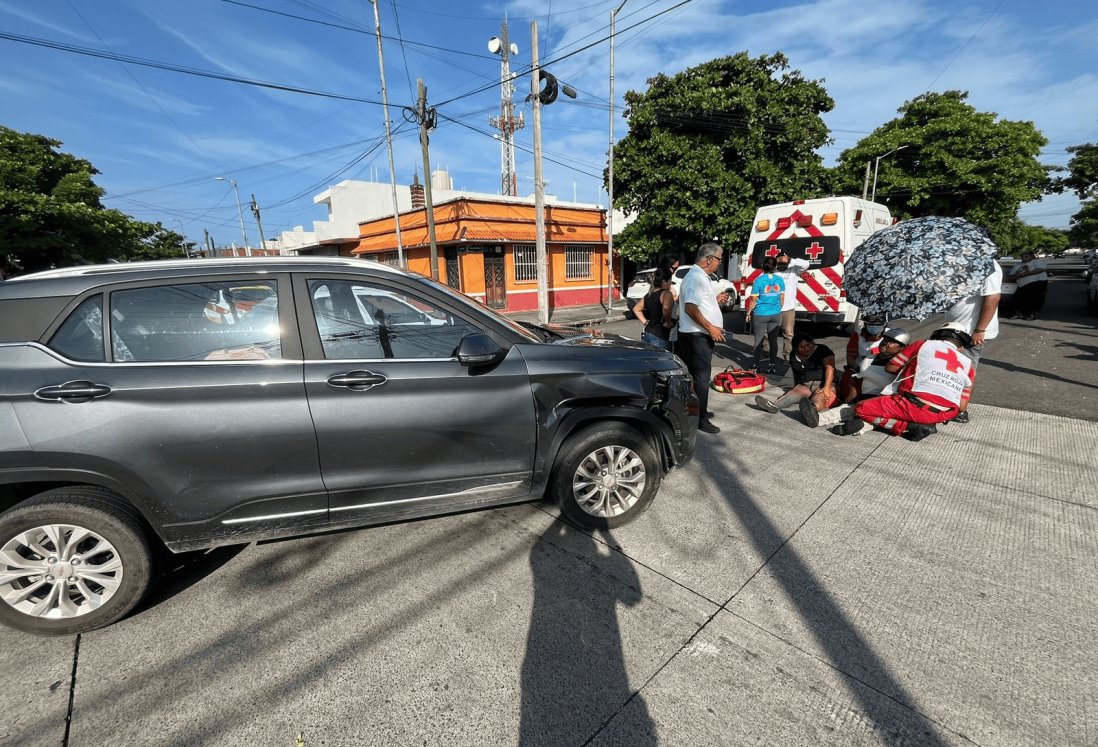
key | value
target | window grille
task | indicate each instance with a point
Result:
(526, 263)
(577, 262)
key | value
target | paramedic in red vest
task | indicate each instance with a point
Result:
(863, 345)
(979, 315)
(933, 384)
(701, 324)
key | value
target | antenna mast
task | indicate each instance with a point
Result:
(506, 122)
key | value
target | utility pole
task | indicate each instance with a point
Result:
(389, 137)
(259, 225)
(206, 243)
(610, 177)
(422, 114)
(239, 211)
(865, 182)
(539, 187)
(182, 239)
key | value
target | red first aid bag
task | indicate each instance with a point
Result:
(737, 381)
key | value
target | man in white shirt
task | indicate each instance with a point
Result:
(980, 316)
(790, 273)
(701, 325)
(1032, 279)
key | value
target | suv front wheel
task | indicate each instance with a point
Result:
(606, 476)
(71, 560)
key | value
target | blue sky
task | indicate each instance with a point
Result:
(161, 137)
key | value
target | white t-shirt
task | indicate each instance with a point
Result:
(967, 310)
(1033, 264)
(697, 288)
(791, 279)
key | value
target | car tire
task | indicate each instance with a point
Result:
(616, 453)
(91, 583)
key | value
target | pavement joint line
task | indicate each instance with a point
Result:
(723, 607)
(72, 690)
(906, 706)
(808, 518)
(633, 560)
(1012, 488)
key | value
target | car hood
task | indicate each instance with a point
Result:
(586, 337)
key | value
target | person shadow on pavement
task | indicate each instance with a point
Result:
(574, 678)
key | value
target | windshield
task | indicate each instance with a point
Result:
(464, 300)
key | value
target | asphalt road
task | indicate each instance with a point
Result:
(1045, 366)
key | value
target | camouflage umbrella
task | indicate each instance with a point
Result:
(917, 268)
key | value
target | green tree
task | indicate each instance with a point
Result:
(706, 146)
(1014, 237)
(1082, 179)
(161, 243)
(955, 161)
(51, 214)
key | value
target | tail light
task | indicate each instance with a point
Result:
(762, 225)
(783, 223)
(829, 219)
(804, 220)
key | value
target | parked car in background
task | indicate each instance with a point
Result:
(191, 404)
(641, 286)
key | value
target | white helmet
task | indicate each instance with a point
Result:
(899, 334)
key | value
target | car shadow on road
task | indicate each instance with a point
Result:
(573, 672)
(180, 572)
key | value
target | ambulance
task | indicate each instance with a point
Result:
(822, 233)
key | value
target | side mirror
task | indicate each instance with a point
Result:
(479, 350)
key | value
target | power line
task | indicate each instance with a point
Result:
(178, 68)
(964, 46)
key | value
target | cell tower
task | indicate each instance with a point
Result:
(506, 122)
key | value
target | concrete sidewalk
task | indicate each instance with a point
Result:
(789, 587)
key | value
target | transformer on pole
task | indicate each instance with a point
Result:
(506, 122)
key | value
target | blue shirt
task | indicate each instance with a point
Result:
(768, 290)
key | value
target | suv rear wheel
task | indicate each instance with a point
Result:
(71, 560)
(606, 476)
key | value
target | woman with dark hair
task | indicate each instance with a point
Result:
(764, 312)
(655, 309)
(813, 367)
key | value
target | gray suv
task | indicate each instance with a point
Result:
(193, 404)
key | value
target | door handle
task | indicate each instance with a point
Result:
(73, 391)
(360, 381)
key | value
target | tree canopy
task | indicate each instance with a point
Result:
(1082, 179)
(51, 213)
(706, 146)
(950, 159)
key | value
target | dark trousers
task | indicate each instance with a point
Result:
(1030, 298)
(696, 351)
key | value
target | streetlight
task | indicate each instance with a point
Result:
(876, 165)
(610, 176)
(183, 236)
(239, 210)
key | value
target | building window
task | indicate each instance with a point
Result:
(577, 262)
(526, 263)
(386, 258)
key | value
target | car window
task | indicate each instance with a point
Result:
(681, 272)
(217, 321)
(357, 320)
(80, 337)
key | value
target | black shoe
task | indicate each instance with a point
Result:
(710, 414)
(961, 417)
(918, 431)
(1029, 317)
(708, 428)
(809, 412)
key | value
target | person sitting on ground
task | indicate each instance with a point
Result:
(655, 310)
(872, 375)
(764, 313)
(862, 345)
(813, 367)
(933, 385)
